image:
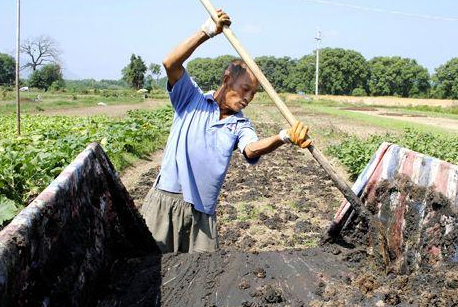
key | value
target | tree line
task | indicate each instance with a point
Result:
(342, 72)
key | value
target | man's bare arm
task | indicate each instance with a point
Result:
(262, 147)
(173, 63)
(296, 135)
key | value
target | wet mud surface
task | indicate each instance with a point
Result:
(270, 220)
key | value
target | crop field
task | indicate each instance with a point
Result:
(269, 214)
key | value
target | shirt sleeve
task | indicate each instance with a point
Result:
(182, 92)
(247, 135)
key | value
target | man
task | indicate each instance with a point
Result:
(180, 208)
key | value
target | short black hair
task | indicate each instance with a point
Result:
(235, 69)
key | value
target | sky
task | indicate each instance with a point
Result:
(97, 37)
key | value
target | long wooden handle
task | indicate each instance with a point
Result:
(339, 182)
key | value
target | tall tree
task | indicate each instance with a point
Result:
(134, 72)
(208, 72)
(7, 69)
(445, 80)
(46, 76)
(155, 70)
(40, 50)
(341, 71)
(396, 76)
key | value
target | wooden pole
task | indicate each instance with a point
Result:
(339, 182)
(18, 40)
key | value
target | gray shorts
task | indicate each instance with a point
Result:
(176, 225)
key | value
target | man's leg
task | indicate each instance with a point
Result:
(204, 234)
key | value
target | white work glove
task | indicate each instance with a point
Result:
(209, 28)
(285, 137)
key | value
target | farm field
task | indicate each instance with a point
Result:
(269, 214)
(271, 217)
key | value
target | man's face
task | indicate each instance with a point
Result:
(241, 91)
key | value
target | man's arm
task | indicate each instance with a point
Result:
(262, 147)
(173, 63)
(296, 135)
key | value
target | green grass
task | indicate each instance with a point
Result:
(52, 101)
(378, 121)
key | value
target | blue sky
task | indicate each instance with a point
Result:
(98, 37)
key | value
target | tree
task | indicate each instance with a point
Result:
(445, 80)
(50, 74)
(398, 76)
(208, 72)
(134, 72)
(7, 69)
(341, 71)
(40, 50)
(155, 70)
(302, 75)
(277, 71)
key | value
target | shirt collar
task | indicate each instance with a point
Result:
(228, 120)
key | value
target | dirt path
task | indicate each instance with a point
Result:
(440, 122)
(110, 110)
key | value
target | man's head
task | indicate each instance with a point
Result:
(239, 85)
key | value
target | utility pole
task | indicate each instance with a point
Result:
(18, 39)
(318, 39)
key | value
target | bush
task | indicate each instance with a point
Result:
(359, 92)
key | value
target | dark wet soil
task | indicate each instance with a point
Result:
(270, 218)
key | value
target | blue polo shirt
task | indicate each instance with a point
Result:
(200, 145)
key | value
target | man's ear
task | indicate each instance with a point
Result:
(227, 80)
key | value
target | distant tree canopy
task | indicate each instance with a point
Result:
(342, 72)
(396, 76)
(7, 69)
(208, 72)
(445, 80)
(49, 75)
(134, 72)
(40, 51)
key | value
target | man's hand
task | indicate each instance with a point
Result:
(212, 29)
(296, 135)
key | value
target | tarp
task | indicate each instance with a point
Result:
(55, 251)
(390, 163)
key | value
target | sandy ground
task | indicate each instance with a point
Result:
(384, 101)
(440, 122)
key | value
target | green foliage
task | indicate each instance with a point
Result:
(359, 92)
(355, 153)
(46, 76)
(30, 162)
(208, 72)
(277, 71)
(396, 76)
(302, 76)
(7, 69)
(446, 80)
(134, 72)
(341, 71)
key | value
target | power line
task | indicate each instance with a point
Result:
(379, 10)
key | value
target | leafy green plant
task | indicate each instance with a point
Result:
(28, 163)
(355, 152)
